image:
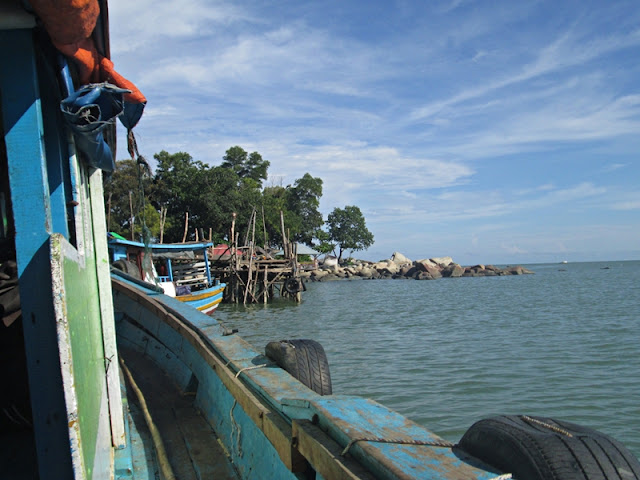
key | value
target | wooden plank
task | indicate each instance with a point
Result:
(191, 443)
(116, 412)
(324, 454)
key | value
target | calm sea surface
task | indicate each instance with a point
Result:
(562, 343)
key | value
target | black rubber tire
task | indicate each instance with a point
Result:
(305, 360)
(128, 267)
(536, 448)
(292, 285)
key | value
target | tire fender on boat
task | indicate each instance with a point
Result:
(537, 448)
(305, 360)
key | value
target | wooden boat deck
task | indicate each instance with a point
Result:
(191, 444)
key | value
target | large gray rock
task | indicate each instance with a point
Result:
(389, 268)
(442, 261)
(434, 272)
(426, 262)
(367, 272)
(407, 270)
(424, 276)
(399, 259)
(517, 270)
(453, 271)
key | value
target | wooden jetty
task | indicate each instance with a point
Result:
(254, 275)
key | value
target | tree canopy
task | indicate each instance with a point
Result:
(246, 166)
(208, 196)
(347, 228)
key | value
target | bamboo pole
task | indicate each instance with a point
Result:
(251, 251)
(163, 220)
(284, 236)
(264, 229)
(131, 218)
(109, 213)
(265, 293)
(186, 226)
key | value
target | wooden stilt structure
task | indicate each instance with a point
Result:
(252, 274)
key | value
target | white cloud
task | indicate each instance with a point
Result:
(411, 124)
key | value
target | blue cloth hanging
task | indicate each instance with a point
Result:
(89, 110)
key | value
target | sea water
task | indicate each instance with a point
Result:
(561, 343)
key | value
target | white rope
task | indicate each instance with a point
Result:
(506, 476)
(250, 368)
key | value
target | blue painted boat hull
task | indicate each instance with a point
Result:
(205, 300)
(270, 423)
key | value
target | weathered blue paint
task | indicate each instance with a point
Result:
(30, 194)
(342, 418)
(252, 453)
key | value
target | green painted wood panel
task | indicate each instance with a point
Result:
(82, 355)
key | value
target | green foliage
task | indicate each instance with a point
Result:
(246, 166)
(348, 230)
(303, 200)
(124, 192)
(210, 195)
(324, 239)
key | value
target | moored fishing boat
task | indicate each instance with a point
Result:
(197, 403)
(182, 270)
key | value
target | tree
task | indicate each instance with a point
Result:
(125, 192)
(324, 242)
(303, 200)
(246, 166)
(348, 230)
(208, 194)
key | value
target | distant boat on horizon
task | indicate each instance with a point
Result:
(564, 261)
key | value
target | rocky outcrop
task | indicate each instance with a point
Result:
(398, 266)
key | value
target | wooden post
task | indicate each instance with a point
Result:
(264, 229)
(284, 236)
(186, 226)
(251, 252)
(131, 220)
(109, 213)
(163, 219)
(265, 293)
(233, 264)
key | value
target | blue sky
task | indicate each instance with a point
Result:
(492, 132)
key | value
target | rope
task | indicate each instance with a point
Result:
(433, 443)
(250, 368)
(163, 459)
(553, 428)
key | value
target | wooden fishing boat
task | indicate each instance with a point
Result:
(107, 377)
(182, 270)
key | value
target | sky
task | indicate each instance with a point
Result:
(492, 132)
